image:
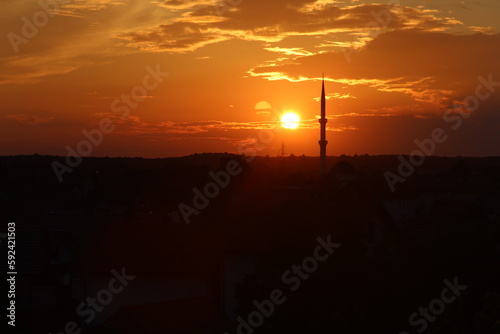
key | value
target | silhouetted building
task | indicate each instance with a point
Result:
(323, 142)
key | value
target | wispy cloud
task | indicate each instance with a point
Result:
(80, 8)
(29, 119)
(484, 30)
(423, 66)
(260, 20)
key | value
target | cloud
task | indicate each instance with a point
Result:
(134, 126)
(431, 69)
(177, 37)
(261, 20)
(338, 96)
(84, 32)
(79, 8)
(484, 30)
(180, 5)
(29, 119)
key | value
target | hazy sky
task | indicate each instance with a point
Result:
(392, 69)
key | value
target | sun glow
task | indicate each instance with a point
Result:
(290, 120)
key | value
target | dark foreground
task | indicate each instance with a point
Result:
(216, 243)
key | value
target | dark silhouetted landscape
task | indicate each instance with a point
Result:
(280, 249)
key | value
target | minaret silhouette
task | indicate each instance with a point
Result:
(323, 142)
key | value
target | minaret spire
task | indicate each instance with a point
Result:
(322, 121)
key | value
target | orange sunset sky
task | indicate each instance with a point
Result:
(392, 69)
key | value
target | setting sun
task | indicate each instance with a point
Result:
(290, 120)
